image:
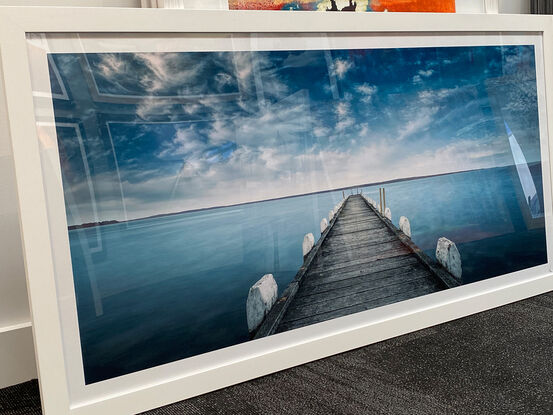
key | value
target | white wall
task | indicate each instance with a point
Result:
(514, 6)
(16, 349)
(17, 362)
(74, 3)
(505, 6)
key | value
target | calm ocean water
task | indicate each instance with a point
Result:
(172, 287)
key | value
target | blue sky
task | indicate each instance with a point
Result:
(167, 132)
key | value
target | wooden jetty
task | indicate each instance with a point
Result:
(361, 261)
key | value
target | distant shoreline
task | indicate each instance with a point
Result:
(112, 222)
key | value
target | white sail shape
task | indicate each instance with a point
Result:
(524, 175)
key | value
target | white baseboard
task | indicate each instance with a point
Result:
(17, 356)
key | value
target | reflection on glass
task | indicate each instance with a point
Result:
(190, 176)
(526, 180)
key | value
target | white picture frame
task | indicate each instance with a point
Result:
(253, 359)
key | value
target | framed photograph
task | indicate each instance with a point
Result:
(207, 197)
(423, 6)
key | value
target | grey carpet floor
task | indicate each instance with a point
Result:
(496, 362)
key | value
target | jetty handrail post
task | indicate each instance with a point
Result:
(384, 197)
(323, 225)
(261, 297)
(307, 244)
(380, 197)
(449, 257)
(405, 225)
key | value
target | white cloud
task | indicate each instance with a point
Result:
(223, 79)
(152, 106)
(344, 124)
(185, 142)
(367, 91)
(283, 122)
(430, 96)
(191, 108)
(421, 74)
(256, 74)
(364, 130)
(275, 159)
(110, 64)
(243, 65)
(341, 67)
(417, 122)
(457, 155)
(221, 131)
(168, 72)
(427, 73)
(321, 132)
(193, 167)
(342, 109)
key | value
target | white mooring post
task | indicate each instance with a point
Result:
(261, 297)
(405, 226)
(330, 215)
(388, 213)
(324, 225)
(308, 243)
(448, 255)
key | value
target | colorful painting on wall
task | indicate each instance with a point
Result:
(430, 6)
(217, 197)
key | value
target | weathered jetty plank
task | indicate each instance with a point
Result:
(361, 261)
(335, 300)
(356, 308)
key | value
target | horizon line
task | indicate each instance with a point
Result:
(114, 221)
